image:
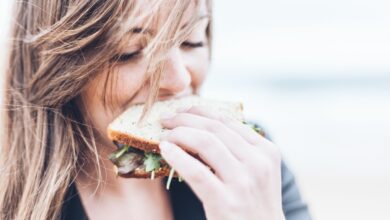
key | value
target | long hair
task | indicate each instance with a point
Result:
(57, 47)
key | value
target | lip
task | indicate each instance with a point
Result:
(185, 93)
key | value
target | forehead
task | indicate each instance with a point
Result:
(154, 14)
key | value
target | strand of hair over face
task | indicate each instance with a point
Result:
(58, 47)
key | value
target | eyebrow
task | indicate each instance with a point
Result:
(140, 30)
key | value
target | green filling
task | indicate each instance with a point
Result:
(255, 127)
(152, 161)
(118, 153)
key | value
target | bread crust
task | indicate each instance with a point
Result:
(140, 143)
(134, 141)
(141, 173)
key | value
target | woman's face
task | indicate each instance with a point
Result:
(185, 69)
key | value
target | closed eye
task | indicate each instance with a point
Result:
(187, 44)
(126, 56)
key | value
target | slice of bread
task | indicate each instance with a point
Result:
(146, 135)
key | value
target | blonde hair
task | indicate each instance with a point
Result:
(54, 53)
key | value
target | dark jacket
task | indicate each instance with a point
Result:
(186, 206)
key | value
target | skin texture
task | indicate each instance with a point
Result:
(247, 181)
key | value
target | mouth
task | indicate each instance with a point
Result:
(163, 97)
(185, 93)
(168, 96)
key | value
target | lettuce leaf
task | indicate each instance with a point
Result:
(118, 153)
(152, 161)
(255, 127)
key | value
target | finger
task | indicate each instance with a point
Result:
(243, 130)
(262, 145)
(235, 143)
(208, 147)
(201, 180)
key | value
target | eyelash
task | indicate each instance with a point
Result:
(126, 57)
(188, 44)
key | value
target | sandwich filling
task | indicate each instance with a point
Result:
(127, 159)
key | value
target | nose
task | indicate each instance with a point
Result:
(176, 77)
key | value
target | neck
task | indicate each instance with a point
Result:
(126, 196)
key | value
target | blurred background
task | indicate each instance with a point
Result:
(316, 76)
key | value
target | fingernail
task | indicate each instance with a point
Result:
(183, 109)
(165, 146)
(167, 115)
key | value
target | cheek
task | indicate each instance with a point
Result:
(100, 120)
(95, 112)
(127, 81)
(122, 85)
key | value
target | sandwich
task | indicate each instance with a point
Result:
(138, 153)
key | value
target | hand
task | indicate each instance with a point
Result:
(246, 182)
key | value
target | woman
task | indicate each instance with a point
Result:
(76, 65)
